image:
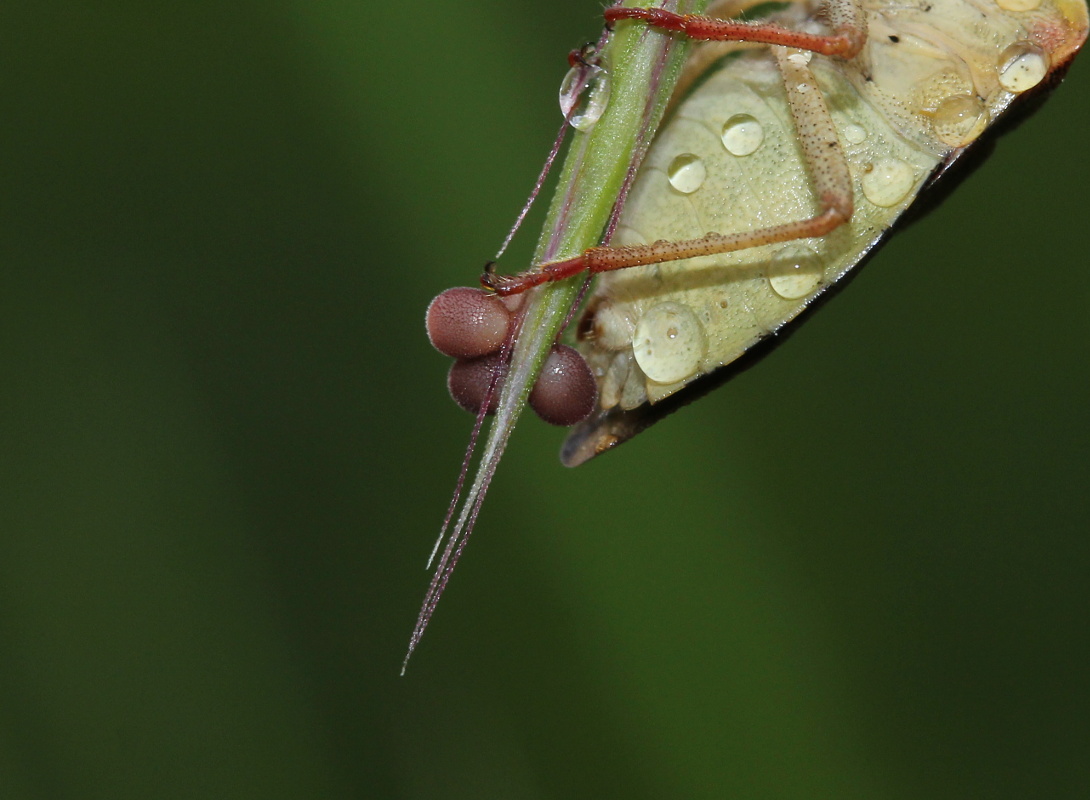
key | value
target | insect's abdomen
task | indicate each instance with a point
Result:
(729, 161)
(930, 80)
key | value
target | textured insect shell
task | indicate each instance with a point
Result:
(932, 77)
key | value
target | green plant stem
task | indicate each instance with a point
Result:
(643, 66)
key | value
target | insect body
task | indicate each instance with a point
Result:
(930, 78)
(796, 144)
(782, 169)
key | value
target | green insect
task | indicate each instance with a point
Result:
(793, 145)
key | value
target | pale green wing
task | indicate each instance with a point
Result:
(932, 77)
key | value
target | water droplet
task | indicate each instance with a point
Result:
(800, 59)
(1022, 66)
(959, 119)
(888, 182)
(1018, 5)
(593, 95)
(803, 88)
(669, 343)
(742, 135)
(687, 173)
(569, 89)
(795, 271)
(855, 134)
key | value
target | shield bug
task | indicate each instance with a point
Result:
(782, 170)
(793, 145)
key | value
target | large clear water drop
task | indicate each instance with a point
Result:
(686, 173)
(742, 135)
(584, 93)
(1022, 66)
(669, 343)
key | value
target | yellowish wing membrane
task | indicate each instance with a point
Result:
(933, 76)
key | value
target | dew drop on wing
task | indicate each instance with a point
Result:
(795, 271)
(686, 173)
(888, 182)
(669, 343)
(1022, 66)
(742, 135)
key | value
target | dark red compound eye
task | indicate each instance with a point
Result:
(466, 323)
(565, 392)
(468, 381)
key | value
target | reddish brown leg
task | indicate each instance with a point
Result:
(847, 24)
(828, 172)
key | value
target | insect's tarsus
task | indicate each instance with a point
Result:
(585, 56)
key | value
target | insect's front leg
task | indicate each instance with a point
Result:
(825, 163)
(846, 18)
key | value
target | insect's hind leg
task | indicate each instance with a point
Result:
(846, 19)
(825, 162)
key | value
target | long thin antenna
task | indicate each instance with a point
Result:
(467, 519)
(524, 352)
(578, 59)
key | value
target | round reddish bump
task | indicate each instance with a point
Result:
(468, 381)
(467, 323)
(565, 392)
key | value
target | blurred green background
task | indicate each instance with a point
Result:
(859, 570)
